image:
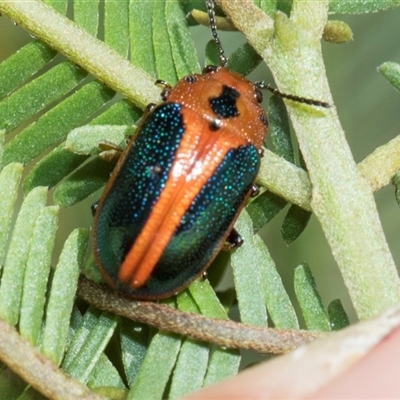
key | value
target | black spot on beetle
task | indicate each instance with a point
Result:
(225, 104)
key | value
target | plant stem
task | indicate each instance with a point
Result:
(341, 199)
(293, 183)
(222, 332)
(62, 34)
(37, 370)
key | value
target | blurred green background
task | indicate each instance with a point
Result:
(368, 108)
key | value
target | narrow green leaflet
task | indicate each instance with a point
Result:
(11, 385)
(162, 46)
(86, 15)
(396, 183)
(391, 72)
(19, 67)
(211, 54)
(337, 315)
(105, 375)
(278, 303)
(83, 182)
(141, 32)
(223, 363)
(263, 208)
(2, 134)
(17, 254)
(248, 277)
(279, 129)
(192, 362)
(10, 177)
(294, 223)
(182, 46)
(52, 168)
(62, 295)
(206, 299)
(56, 123)
(268, 6)
(134, 339)
(360, 6)
(88, 356)
(37, 273)
(38, 94)
(243, 60)
(85, 140)
(58, 5)
(86, 324)
(116, 25)
(309, 299)
(60, 162)
(156, 368)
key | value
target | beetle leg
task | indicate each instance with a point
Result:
(233, 241)
(94, 207)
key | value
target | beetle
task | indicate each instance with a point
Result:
(178, 187)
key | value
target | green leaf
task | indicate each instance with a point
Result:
(81, 332)
(263, 208)
(56, 123)
(268, 6)
(83, 364)
(17, 254)
(134, 342)
(11, 385)
(162, 46)
(396, 183)
(247, 275)
(244, 60)
(105, 375)
(141, 31)
(83, 182)
(10, 177)
(277, 300)
(60, 162)
(206, 299)
(294, 223)
(156, 368)
(182, 46)
(86, 15)
(52, 168)
(360, 6)
(192, 362)
(37, 273)
(62, 294)
(19, 67)
(116, 25)
(85, 140)
(391, 71)
(337, 315)
(309, 299)
(279, 129)
(58, 5)
(2, 134)
(223, 363)
(211, 54)
(38, 94)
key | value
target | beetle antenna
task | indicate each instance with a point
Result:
(311, 102)
(213, 27)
